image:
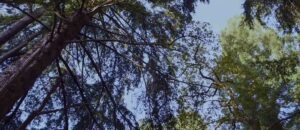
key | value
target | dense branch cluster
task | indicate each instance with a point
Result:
(85, 57)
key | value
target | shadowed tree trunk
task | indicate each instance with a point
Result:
(255, 125)
(276, 126)
(20, 77)
(19, 25)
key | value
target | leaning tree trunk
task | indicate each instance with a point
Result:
(19, 25)
(20, 77)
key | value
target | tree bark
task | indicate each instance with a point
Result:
(276, 126)
(19, 25)
(254, 124)
(20, 77)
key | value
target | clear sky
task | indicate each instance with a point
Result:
(218, 12)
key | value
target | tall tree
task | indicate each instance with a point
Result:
(258, 73)
(91, 53)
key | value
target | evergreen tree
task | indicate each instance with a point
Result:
(68, 64)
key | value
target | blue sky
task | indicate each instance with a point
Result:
(218, 12)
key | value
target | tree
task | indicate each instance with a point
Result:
(258, 73)
(284, 12)
(183, 121)
(91, 53)
(190, 121)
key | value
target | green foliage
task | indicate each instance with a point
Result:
(189, 121)
(257, 70)
(183, 121)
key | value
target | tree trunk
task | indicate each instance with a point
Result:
(19, 25)
(275, 123)
(276, 126)
(255, 125)
(20, 77)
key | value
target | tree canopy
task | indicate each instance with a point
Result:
(76, 64)
(258, 76)
(70, 64)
